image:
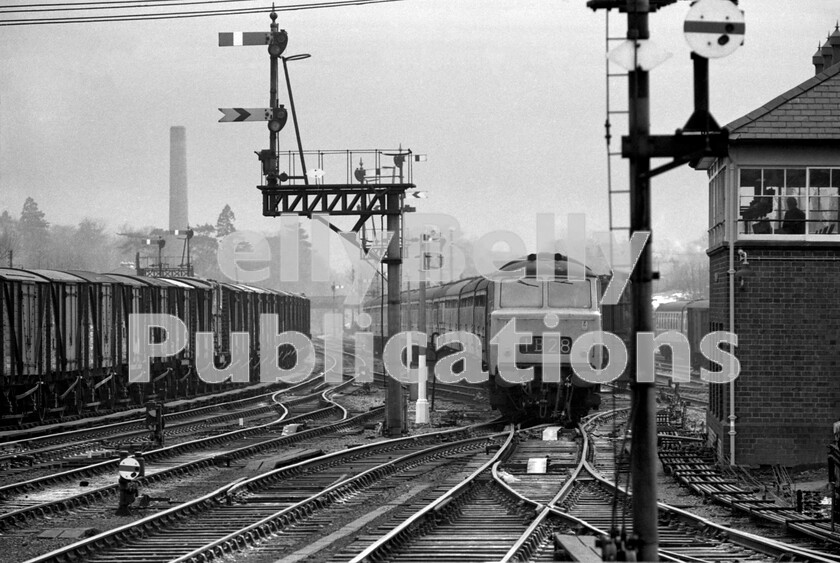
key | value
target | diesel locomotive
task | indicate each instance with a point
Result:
(539, 305)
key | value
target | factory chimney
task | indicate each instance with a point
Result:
(178, 201)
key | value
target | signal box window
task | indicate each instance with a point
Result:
(789, 201)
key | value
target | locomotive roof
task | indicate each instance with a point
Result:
(561, 265)
(14, 274)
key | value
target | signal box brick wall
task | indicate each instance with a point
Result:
(787, 318)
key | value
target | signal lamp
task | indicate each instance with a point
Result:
(278, 119)
(269, 162)
(278, 43)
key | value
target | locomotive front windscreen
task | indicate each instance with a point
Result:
(557, 294)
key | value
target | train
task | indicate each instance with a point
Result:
(483, 305)
(690, 318)
(64, 338)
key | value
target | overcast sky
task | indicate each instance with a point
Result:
(506, 99)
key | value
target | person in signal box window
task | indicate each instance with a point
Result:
(794, 221)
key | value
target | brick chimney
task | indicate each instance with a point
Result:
(178, 200)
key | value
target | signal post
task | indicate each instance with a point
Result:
(720, 28)
(284, 194)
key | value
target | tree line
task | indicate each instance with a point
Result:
(30, 241)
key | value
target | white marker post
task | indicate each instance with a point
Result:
(129, 469)
(422, 407)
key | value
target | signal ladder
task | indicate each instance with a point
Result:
(618, 198)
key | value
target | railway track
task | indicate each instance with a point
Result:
(481, 517)
(493, 517)
(591, 502)
(291, 501)
(58, 492)
(33, 452)
(694, 392)
(693, 466)
(458, 392)
(472, 520)
(73, 448)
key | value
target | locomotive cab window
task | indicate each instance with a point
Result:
(521, 293)
(576, 295)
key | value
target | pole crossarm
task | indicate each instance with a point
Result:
(332, 199)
